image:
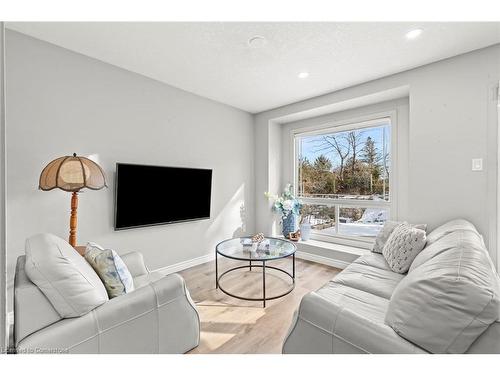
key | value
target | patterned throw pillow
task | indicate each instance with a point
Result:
(110, 267)
(403, 245)
(385, 232)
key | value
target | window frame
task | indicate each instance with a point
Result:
(333, 126)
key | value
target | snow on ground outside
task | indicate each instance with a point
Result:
(354, 229)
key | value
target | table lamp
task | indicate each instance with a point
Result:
(72, 173)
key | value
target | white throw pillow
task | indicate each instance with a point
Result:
(403, 245)
(385, 232)
(110, 268)
(63, 276)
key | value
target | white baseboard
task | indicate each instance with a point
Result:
(321, 259)
(177, 267)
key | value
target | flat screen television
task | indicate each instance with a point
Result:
(148, 195)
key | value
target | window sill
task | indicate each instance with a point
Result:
(323, 245)
(331, 254)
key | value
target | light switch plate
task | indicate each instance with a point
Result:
(477, 164)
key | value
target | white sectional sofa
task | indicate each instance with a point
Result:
(157, 317)
(447, 303)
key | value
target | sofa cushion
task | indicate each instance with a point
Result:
(27, 299)
(449, 241)
(385, 232)
(342, 320)
(368, 305)
(63, 275)
(110, 268)
(403, 245)
(376, 281)
(447, 302)
(449, 227)
(374, 260)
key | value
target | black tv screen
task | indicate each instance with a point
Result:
(152, 195)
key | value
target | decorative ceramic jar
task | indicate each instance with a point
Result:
(289, 224)
(305, 231)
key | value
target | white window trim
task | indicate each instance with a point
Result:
(355, 122)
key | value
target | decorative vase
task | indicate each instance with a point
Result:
(305, 231)
(289, 224)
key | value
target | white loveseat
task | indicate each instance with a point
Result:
(157, 317)
(447, 303)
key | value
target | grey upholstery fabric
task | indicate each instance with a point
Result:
(374, 260)
(63, 276)
(447, 240)
(342, 319)
(488, 342)
(376, 281)
(348, 315)
(450, 227)
(447, 302)
(32, 310)
(135, 263)
(403, 245)
(158, 317)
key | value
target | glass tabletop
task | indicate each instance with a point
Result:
(244, 249)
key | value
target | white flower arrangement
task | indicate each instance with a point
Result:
(286, 203)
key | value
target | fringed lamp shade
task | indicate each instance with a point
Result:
(72, 173)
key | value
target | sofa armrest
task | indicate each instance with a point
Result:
(321, 326)
(159, 317)
(135, 263)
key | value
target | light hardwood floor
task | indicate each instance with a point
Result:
(230, 325)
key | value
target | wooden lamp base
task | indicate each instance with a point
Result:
(73, 219)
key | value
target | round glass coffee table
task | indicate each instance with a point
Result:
(256, 255)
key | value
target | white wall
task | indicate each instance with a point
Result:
(3, 304)
(61, 102)
(452, 119)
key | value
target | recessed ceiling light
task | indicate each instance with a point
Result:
(413, 34)
(257, 41)
(303, 75)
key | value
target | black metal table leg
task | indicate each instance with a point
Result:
(264, 282)
(293, 266)
(216, 273)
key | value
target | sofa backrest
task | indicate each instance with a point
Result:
(451, 295)
(32, 310)
(63, 275)
(447, 237)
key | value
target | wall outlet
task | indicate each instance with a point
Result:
(477, 165)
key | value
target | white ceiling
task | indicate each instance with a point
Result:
(214, 60)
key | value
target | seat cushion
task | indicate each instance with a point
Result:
(369, 306)
(63, 276)
(340, 319)
(447, 302)
(374, 260)
(377, 281)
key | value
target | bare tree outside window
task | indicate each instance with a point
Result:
(346, 166)
(353, 164)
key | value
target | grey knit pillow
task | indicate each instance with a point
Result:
(385, 232)
(402, 246)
